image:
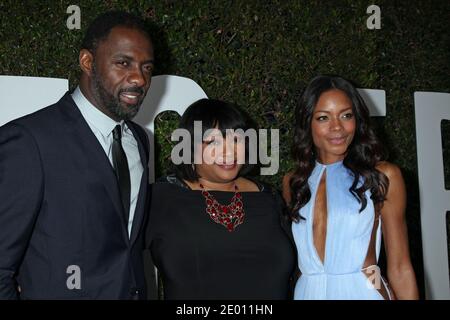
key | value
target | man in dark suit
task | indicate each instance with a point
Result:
(73, 178)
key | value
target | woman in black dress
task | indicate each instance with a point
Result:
(213, 233)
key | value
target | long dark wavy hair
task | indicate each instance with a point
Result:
(363, 153)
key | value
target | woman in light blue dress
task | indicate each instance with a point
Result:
(342, 196)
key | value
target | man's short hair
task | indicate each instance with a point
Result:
(100, 28)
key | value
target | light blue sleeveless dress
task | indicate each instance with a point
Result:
(347, 240)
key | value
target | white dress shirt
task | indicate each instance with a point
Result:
(102, 127)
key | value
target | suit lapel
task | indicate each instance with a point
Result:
(96, 158)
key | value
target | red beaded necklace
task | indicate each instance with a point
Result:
(230, 216)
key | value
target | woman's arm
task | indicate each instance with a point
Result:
(400, 272)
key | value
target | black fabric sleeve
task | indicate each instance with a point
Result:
(21, 192)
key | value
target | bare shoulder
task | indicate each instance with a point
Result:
(390, 170)
(246, 185)
(192, 185)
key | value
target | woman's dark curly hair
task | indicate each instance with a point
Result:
(363, 154)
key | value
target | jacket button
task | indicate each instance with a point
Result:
(134, 294)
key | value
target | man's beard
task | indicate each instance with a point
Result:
(111, 103)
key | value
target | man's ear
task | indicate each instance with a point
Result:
(86, 60)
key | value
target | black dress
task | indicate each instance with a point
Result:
(200, 259)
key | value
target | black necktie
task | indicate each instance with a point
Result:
(121, 167)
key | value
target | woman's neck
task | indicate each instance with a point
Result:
(327, 159)
(214, 185)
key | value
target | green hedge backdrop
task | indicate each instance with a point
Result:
(260, 55)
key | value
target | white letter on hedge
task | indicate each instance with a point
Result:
(431, 108)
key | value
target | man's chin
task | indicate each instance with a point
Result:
(129, 111)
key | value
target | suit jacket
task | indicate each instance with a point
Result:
(62, 230)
